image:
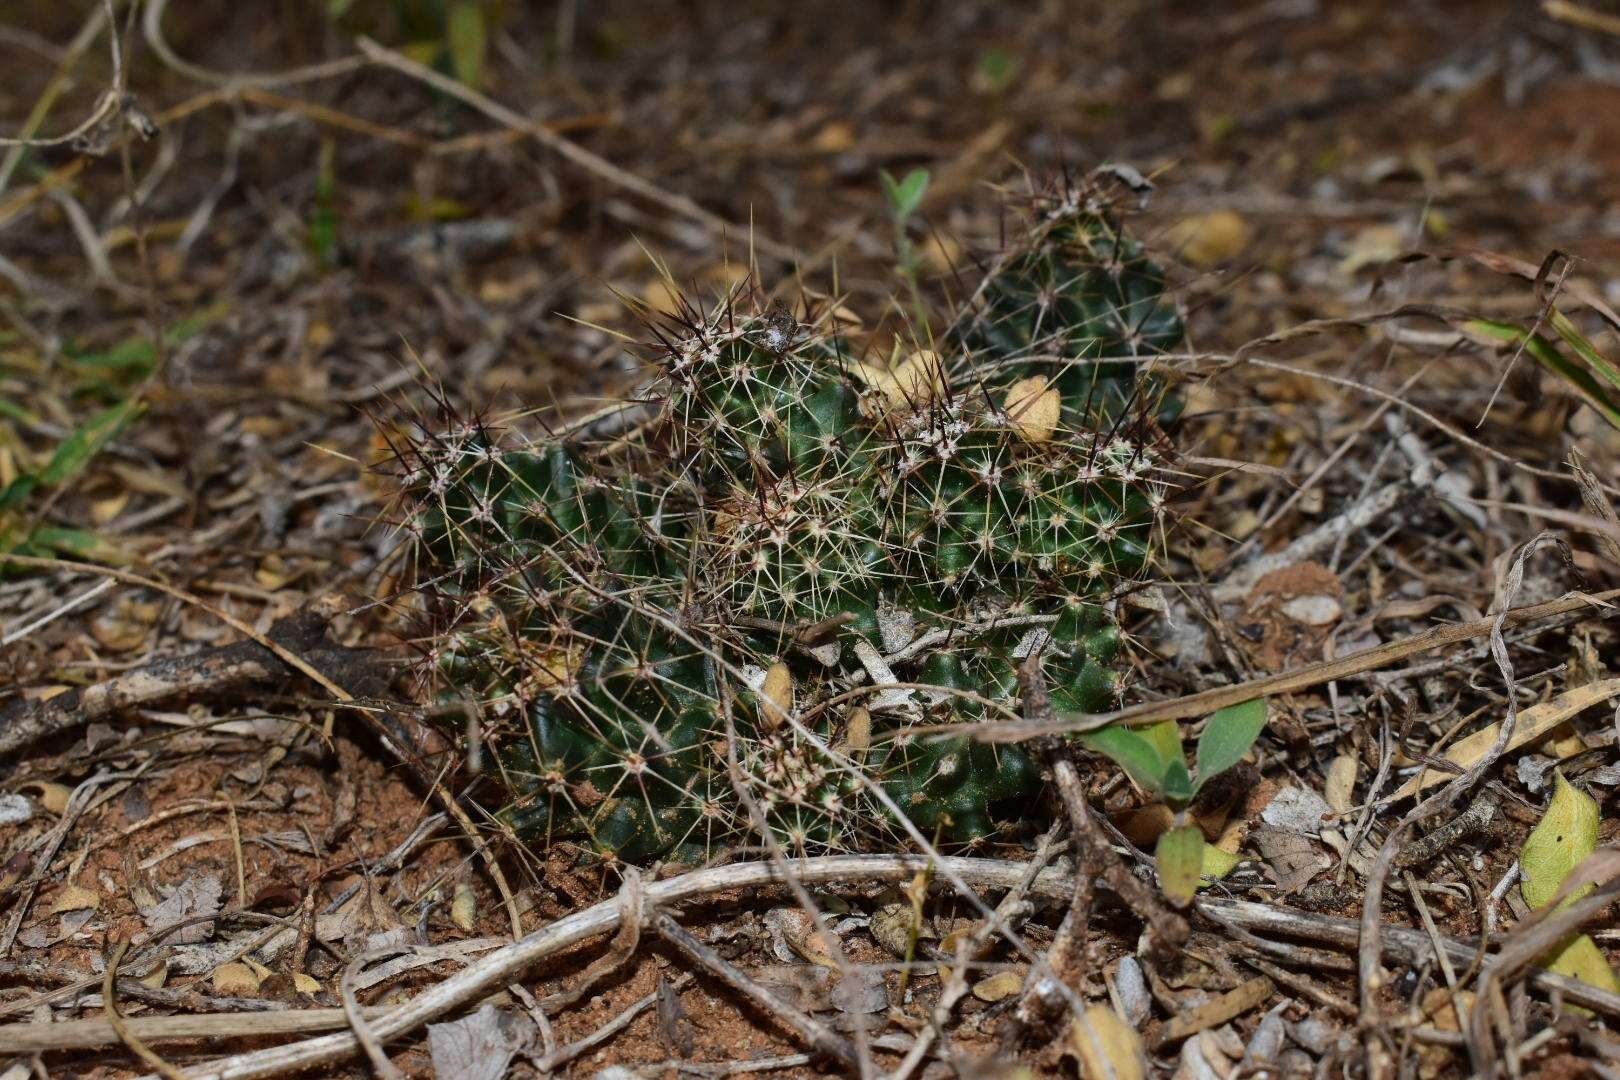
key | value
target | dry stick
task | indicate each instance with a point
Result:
(974, 946)
(109, 1009)
(564, 1054)
(501, 967)
(813, 1031)
(293, 660)
(571, 150)
(1369, 968)
(357, 1020)
(88, 1034)
(1287, 682)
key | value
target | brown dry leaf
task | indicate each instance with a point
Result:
(1106, 1047)
(104, 510)
(155, 979)
(1214, 1013)
(893, 926)
(1532, 724)
(858, 735)
(75, 897)
(800, 933)
(235, 980)
(1033, 406)
(1204, 240)
(835, 137)
(776, 696)
(464, 907)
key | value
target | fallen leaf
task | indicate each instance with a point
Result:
(1566, 834)
(1213, 1013)
(1373, 244)
(464, 907)
(1105, 1046)
(125, 625)
(1033, 406)
(75, 897)
(1204, 240)
(1531, 724)
(776, 696)
(53, 797)
(198, 895)
(1339, 790)
(306, 984)
(480, 1046)
(235, 980)
(1001, 985)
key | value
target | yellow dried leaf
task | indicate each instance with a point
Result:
(1340, 788)
(260, 972)
(1033, 406)
(306, 984)
(75, 897)
(53, 797)
(1105, 1046)
(1001, 985)
(464, 907)
(1532, 723)
(155, 979)
(1206, 239)
(124, 626)
(776, 696)
(234, 980)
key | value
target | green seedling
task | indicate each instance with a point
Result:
(905, 199)
(20, 531)
(1594, 376)
(1153, 758)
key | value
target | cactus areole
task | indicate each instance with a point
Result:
(678, 636)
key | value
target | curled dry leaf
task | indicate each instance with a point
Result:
(1033, 406)
(858, 734)
(1106, 1047)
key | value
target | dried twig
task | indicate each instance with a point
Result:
(813, 1031)
(115, 1020)
(1287, 682)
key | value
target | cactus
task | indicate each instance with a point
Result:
(630, 619)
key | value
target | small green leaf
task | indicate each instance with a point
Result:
(1165, 738)
(1227, 737)
(1580, 958)
(1135, 754)
(1217, 863)
(1180, 857)
(905, 196)
(1566, 834)
(78, 448)
(1550, 357)
(1178, 783)
(467, 37)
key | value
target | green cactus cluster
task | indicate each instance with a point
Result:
(666, 634)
